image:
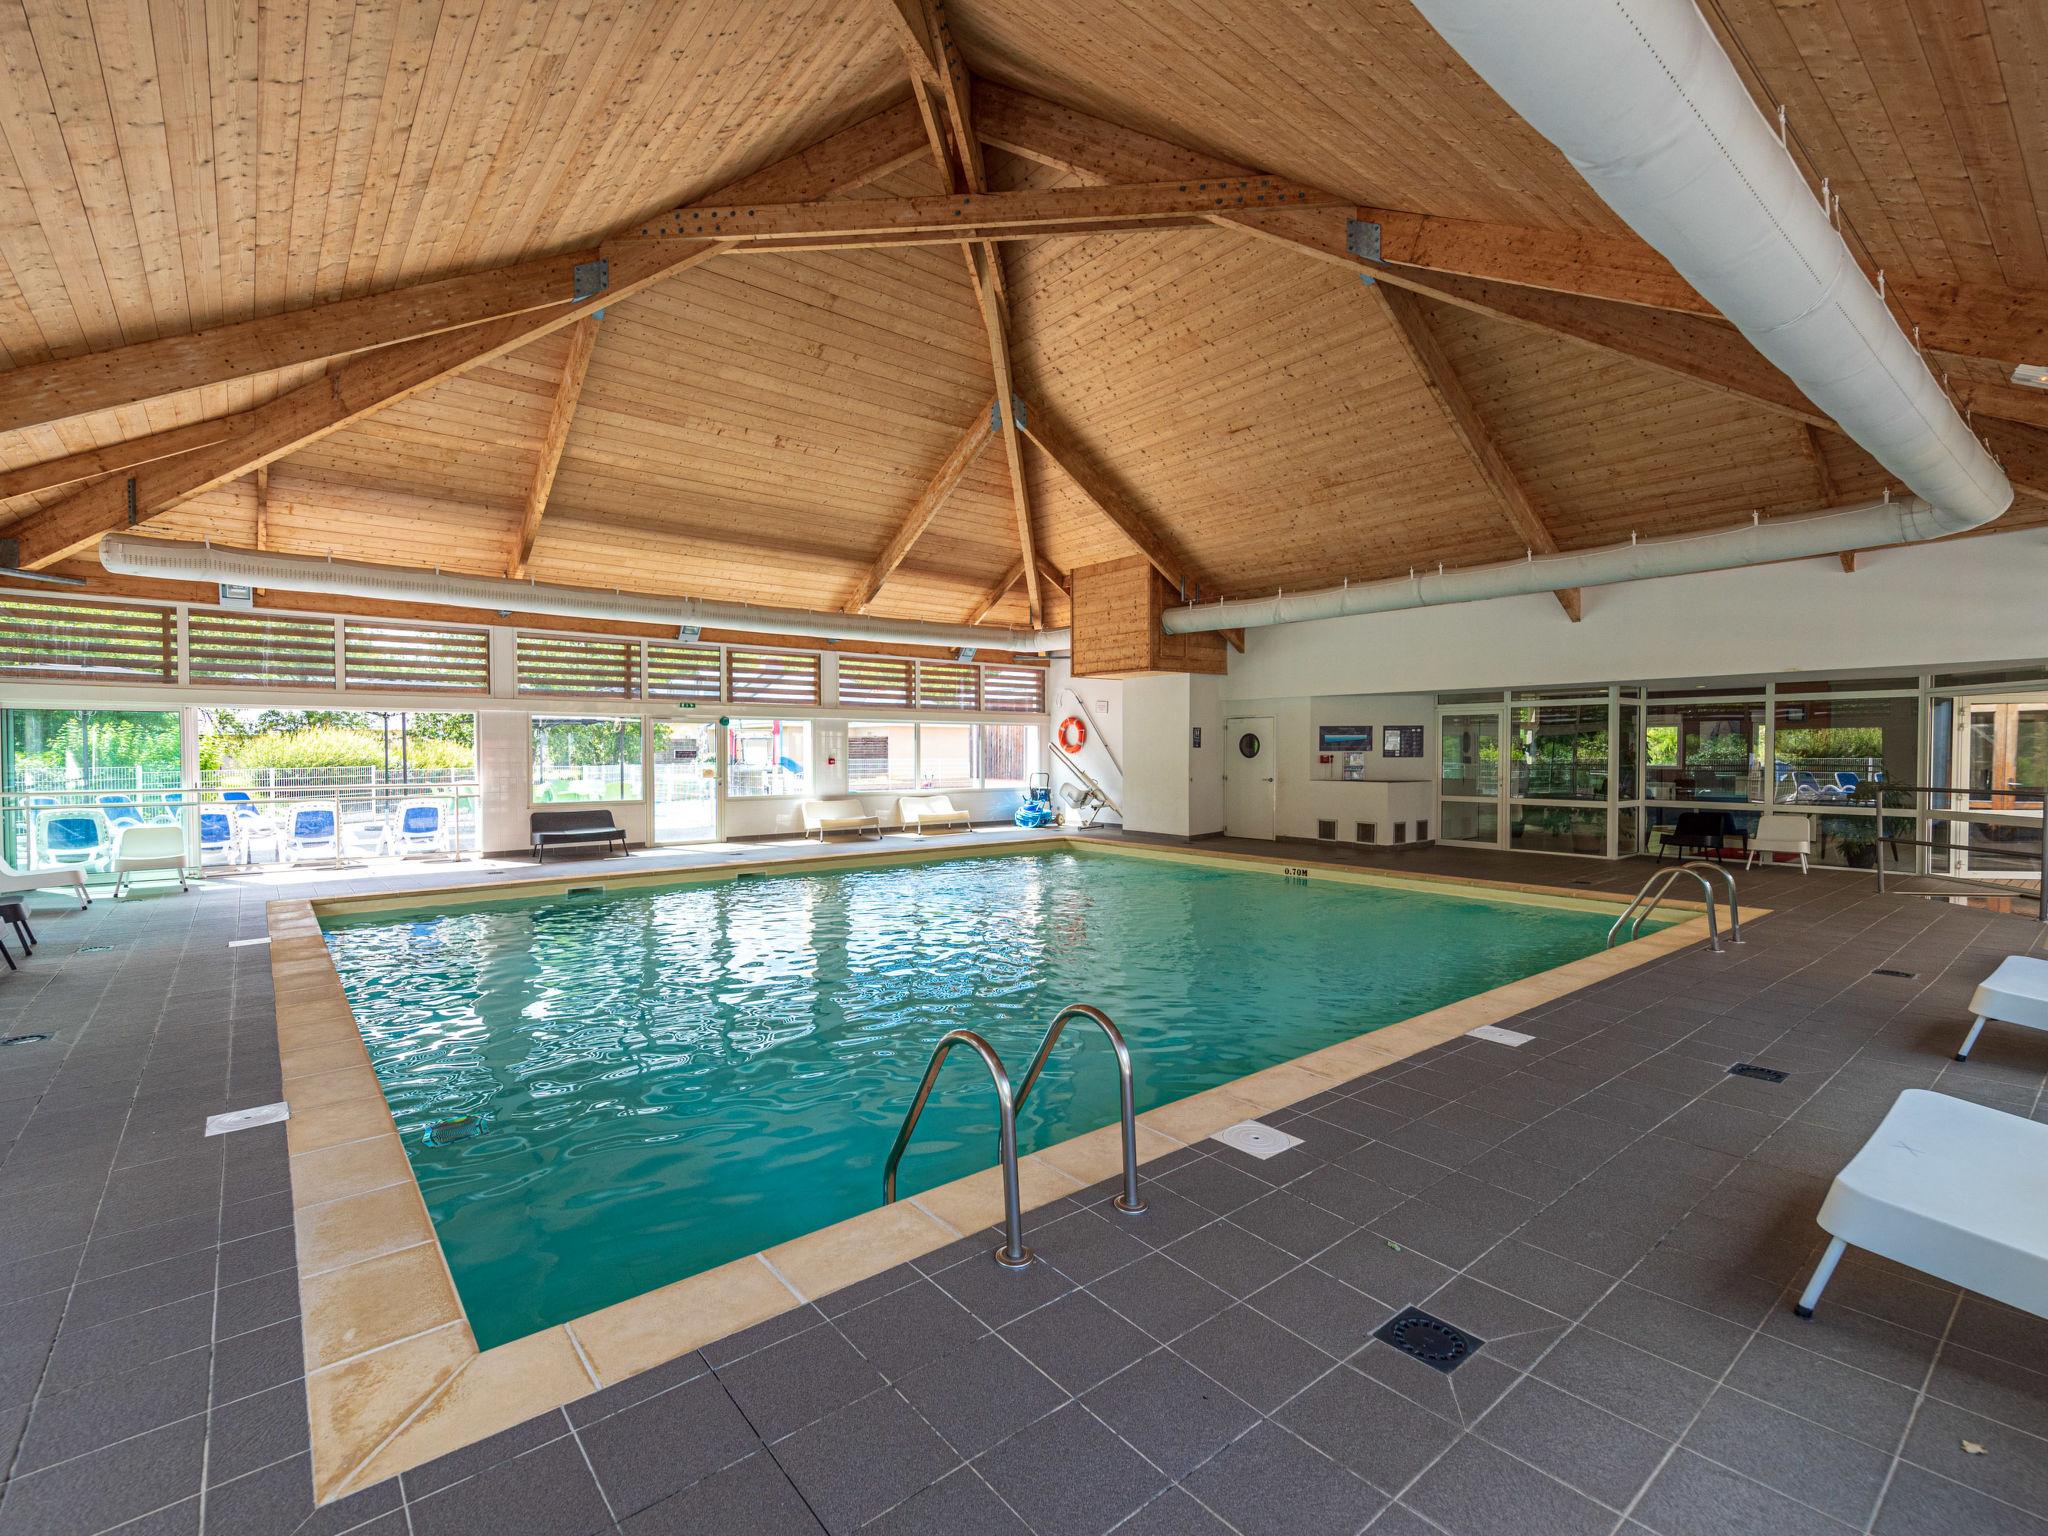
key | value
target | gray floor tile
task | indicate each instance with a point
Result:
(1382, 1268)
(1376, 1432)
(1175, 1512)
(1919, 1503)
(660, 1446)
(1255, 1358)
(116, 1483)
(749, 1498)
(1580, 1445)
(112, 1408)
(978, 1395)
(1797, 1457)
(1549, 1280)
(1655, 1394)
(1161, 1297)
(788, 1385)
(908, 1327)
(1294, 1225)
(1069, 1474)
(997, 1295)
(1171, 1413)
(255, 1431)
(1476, 1490)
(1692, 1497)
(2008, 1465)
(1671, 1330)
(1322, 1309)
(547, 1490)
(1088, 1245)
(443, 1471)
(1230, 1258)
(1214, 1184)
(1077, 1341)
(1270, 1483)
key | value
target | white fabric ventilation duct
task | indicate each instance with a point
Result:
(126, 555)
(1641, 98)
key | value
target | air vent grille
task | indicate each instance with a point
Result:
(1326, 831)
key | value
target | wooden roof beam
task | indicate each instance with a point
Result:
(554, 438)
(1107, 499)
(88, 463)
(55, 391)
(361, 386)
(985, 262)
(1433, 366)
(996, 594)
(952, 469)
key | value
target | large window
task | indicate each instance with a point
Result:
(1704, 750)
(585, 757)
(1560, 752)
(1831, 751)
(1008, 755)
(767, 757)
(881, 756)
(945, 756)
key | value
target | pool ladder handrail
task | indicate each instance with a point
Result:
(1659, 885)
(1130, 1202)
(1012, 1254)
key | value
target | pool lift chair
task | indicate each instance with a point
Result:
(1012, 1254)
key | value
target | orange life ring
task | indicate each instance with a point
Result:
(1079, 739)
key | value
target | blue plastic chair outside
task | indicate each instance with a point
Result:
(74, 839)
(216, 833)
(420, 820)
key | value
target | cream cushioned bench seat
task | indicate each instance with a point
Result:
(1951, 1188)
(2015, 993)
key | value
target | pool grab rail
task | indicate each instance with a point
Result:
(1012, 1254)
(1659, 884)
(1130, 1202)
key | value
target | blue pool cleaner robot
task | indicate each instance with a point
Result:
(1037, 809)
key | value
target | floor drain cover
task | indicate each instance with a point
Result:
(1260, 1141)
(93, 949)
(23, 1039)
(1885, 970)
(1761, 1074)
(1429, 1339)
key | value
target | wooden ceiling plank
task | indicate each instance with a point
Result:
(1054, 442)
(51, 474)
(1412, 328)
(958, 460)
(997, 593)
(366, 384)
(146, 370)
(561, 416)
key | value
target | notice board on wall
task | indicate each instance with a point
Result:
(1401, 741)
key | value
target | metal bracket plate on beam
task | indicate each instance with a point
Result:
(590, 278)
(1017, 413)
(1362, 239)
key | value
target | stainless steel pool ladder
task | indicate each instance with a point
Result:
(1013, 1254)
(1659, 884)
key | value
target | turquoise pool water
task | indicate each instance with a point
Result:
(665, 1079)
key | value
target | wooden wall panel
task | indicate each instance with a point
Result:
(1116, 625)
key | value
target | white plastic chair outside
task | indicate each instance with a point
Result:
(418, 827)
(1780, 832)
(310, 832)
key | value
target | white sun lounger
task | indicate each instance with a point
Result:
(71, 878)
(848, 815)
(1952, 1188)
(2015, 993)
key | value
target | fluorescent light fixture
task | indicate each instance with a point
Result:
(965, 653)
(2033, 375)
(689, 631)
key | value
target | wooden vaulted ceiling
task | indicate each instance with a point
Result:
(1234, 400)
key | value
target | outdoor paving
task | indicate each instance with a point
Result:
(1620, 1221)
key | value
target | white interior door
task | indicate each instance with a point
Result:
(1248, 790)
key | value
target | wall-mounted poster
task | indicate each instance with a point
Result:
(1343, 738)
(1402, 741)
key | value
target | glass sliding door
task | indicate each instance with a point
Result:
(76, 776)
(685, 781)
(1469, 783)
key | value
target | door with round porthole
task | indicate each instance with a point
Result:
(1249, 791)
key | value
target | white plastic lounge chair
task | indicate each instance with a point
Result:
(75, 837)
(921, 811)
(70, 878)
(849, 815)
(1779, 832)
(2015, 993)
(418, 828)
(1949, 1187)
(310, 832)
(146, 847)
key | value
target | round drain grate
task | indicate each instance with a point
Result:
(1428, 1340)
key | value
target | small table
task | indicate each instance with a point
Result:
(15, 915)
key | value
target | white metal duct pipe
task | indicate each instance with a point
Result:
(127, 555)
(1641, 98)
(1875, 525)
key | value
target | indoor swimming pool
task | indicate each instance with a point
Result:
(602, 1091)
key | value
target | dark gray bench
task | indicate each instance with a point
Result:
(555, 829)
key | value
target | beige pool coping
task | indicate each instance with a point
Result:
(393, 1374)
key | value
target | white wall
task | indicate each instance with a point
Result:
(1964, 601)
(1102, 706)
(1300, 799)
(1171, 786)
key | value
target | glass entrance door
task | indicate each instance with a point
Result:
(2000, 746)
(686, 797)
(1469, 778)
